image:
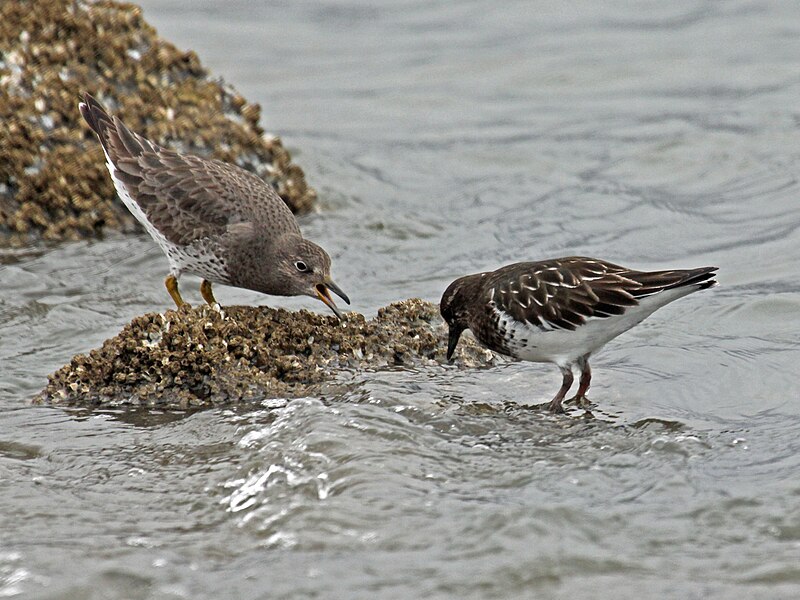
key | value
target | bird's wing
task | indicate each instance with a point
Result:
(185, 197)
(563, 293)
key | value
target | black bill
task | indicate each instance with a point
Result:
(452, 340)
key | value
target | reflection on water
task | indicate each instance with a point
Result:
(447, 138)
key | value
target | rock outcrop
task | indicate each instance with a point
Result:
(53, 181)
(201, 357)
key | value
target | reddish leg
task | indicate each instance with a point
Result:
(586, 380)
(555, 403)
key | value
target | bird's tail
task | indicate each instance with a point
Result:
(658, 281)
(702, 277)
(118, 141)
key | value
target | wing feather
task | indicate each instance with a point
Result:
(186, 197)
(563, 293)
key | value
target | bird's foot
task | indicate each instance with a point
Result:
(581, 402)
(217, 308)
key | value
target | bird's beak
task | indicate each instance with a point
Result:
(336, 290)
(452, 340)
(323, 293)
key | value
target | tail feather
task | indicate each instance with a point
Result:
(97, 118)
(702, 277)
(658, 281)
(118, 141)
(132, 143)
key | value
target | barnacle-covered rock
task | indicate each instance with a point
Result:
(53, 181)
(195, 357)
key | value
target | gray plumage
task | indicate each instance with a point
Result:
(211, 219)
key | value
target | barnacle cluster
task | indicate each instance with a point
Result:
(200, 357)
(53, 184)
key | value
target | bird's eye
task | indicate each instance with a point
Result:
(301, 266)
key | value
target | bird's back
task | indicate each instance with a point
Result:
(558, 309)
(184, 197)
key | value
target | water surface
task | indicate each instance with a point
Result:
(447, 138)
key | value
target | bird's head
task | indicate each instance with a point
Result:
(305, 269)
(289, 266)
(453, 307)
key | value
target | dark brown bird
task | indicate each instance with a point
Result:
(561, 310)
(211, 219)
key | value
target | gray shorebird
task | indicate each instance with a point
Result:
(211, 219)
(561, 310)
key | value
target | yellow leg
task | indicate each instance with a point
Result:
(172, 287)
(208, 295)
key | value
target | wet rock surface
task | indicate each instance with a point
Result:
(201, 357)
(53, 181)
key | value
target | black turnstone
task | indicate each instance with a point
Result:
(211, 219)
(561, 310)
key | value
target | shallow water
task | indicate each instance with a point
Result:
(447, 138)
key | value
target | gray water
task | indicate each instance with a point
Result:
(446, 138)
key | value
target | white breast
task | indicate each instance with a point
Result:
(564, 347)
(201, 258)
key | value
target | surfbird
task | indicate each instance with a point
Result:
(211, 219)
(561, 310)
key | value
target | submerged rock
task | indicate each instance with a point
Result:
(53, 181)
(196, 357)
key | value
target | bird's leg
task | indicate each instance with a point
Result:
(586, 380)
(172, 287)
(208, 295)
(555, 403)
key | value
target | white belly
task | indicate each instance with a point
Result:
(564, 347)
(198, 258)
